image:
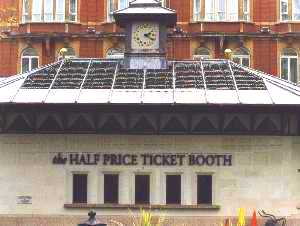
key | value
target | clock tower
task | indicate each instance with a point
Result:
(145, 23)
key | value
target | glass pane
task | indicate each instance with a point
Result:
(293, 70)
(221, 9)
(234, 10)
(236, 60)
(246, 62)
(29, 52)
(36, 10)
(289, 52)
(284, 68)
(48, 10)
(25, 65)
(209, 9)
(73, 6)
(123, 4)
(197, 9)
(25, 7)
(34, 63)
(296, 9)
(60, 10)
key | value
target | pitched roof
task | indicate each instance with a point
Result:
(99, 81)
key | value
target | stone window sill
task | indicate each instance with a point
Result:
(133, 206)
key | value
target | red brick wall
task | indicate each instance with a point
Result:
(92, 11)
(265, 55)
(181, 49)
(8, 57)
(183, 9)
(91, 48)
(264, 10)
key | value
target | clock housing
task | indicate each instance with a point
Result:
(145, 35)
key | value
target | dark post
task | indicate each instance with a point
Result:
(92, 221)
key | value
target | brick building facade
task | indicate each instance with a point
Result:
(261, 34)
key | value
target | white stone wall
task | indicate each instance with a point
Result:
(263, 175)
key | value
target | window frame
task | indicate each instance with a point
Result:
(214, 14)
(87, 186)
(281, 12)
(213, 186)
(293, 11)
(246, 14)
(61, 14)
(74, 13)
(30, 59)
(196, 13)
(241, 57)
(289, 57)
(51, 9)
(118, 192)
(24, 13)
(181, 187)
(40, 13)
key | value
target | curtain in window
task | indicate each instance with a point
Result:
(25, 11)
(48, 10)
(197, 10)
(73, 10)
(296, 9)
(36, 10)
(233, 10)
(209, 10)
(60, 10)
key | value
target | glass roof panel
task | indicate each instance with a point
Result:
(129, 79)
(217, 75)
(41, 79)
(159, 79)
(100, 75)
(189, 75)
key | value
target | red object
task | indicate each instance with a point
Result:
(254, 219)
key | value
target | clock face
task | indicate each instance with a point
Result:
(145, 35)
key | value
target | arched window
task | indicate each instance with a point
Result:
(201, 53)
(115, 53)
(29, 59)
(289, 65)
(241, 56)
(68, 53)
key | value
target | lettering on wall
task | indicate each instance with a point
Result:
(142, 159)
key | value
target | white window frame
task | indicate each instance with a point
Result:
(214, 13)
(197, 12)
(40, 12)
(60, 14)
(288, 57)
(286, 12)
(46, 13)
(30, 62)
(25, 15)
(73, 13)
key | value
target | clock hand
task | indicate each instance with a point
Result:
(148, 35)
